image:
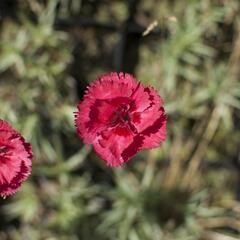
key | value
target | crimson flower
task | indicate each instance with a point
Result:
(15, 159)
(120, 117)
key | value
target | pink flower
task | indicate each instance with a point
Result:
(120, 117)
(15, 159)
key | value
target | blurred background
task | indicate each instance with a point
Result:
(189, 188)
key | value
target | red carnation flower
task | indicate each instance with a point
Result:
(15, 159)
(120, 117)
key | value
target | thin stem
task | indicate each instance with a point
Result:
(201, 149)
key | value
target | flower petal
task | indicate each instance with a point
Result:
(92, 117)
(133, 148)
(150, 113)
(110, 147)
(155, 133)
(111, 86)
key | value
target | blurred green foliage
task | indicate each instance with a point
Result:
(168, 193)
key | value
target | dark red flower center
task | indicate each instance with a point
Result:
(120, 116)
(4, 149)
(122, 121)
(3, 152)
